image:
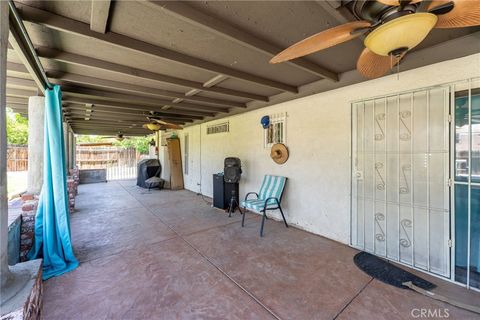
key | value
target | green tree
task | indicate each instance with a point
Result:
(139, 143)
(17, 128)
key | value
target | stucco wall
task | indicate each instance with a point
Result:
(317, 195)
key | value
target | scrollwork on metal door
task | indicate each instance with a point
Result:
(380, 236)
(405, 240)
(405, 188)
(406, 135)
(380, 117)
(381, 184)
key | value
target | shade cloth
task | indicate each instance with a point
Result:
(52, 223)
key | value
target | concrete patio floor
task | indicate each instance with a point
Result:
(169, 255)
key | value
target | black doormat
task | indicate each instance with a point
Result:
(387, 272)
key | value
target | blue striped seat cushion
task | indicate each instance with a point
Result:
(272, 186)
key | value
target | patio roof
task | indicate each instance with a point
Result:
(189, 61)
(168, 254)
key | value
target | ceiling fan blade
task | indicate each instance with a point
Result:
(465, 13)
(166, 124)
(372, 65)
(396, 2)
(325, 39)
(171, 126)
(157, 120)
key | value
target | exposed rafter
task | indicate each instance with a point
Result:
(99, 15)
(63, 24)
(137, 107)
(58, 77)
(21, 43)
(84, 61)
(120, 97)
(191, 15)
(127, 87)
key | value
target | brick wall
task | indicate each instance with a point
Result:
(29, 209)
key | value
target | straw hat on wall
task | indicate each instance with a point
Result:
(279, 153)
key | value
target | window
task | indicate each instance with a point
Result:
(185, 153)
(276, 132)
(218, 128)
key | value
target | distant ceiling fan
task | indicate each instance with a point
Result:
(119, 137)
(156, 124)
(392, 28)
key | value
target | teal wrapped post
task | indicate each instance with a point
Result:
(52, 224)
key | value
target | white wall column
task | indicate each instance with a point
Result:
(70, 149)
(65, 140)
(74, 150)
(36, 132)
(5, 274)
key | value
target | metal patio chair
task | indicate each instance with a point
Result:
(268, 198)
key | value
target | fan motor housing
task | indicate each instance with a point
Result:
(377, 12)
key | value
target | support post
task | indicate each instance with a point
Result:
(66, 146)
(5, 274)
(36, 139)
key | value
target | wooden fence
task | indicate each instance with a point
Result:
(120, 163)
(17, 158)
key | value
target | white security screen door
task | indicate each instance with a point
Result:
(400, 175)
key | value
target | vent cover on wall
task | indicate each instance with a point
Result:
(218, 128)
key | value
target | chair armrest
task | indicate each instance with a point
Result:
(268, 199)
(246, 196)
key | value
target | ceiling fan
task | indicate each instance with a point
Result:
(118, 137)
(391, 27)
(156, 124)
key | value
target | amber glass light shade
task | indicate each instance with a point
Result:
(404, 32)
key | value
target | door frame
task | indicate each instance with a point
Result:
(448, 169)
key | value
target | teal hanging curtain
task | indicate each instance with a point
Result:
(52, 224)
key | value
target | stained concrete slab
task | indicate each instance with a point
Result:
(169, 255)
(168, 280)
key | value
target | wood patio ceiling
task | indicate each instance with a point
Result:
(187, 61)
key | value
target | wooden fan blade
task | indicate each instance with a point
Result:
(322, 40)
(396, 2)
(465, 13)
(372, 65)
(158, 120)
(171, 126)
(165, 124)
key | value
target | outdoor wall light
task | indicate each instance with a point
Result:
(401, 34)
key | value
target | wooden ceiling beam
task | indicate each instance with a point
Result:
(78, 28)
(100, 10)
(120, 97)
(105, 133)
(189, 14)
(129, 124)
(115, 111)
(74, 117)
(23, 47)
(96, 115)
(84, 61)
(17, 100)
(60, 77)
(20, 83)
(20, 93)
(136, 107)
(116, 96)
